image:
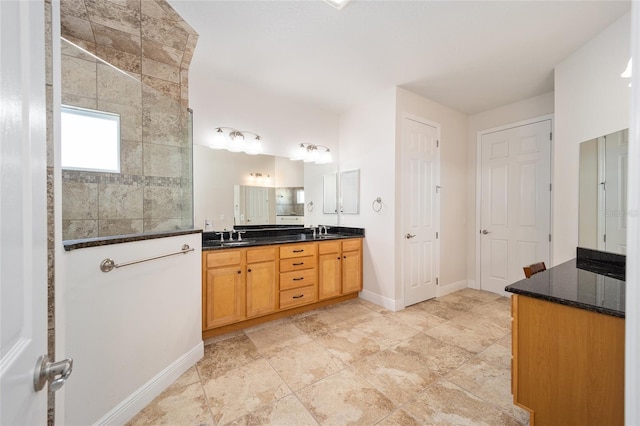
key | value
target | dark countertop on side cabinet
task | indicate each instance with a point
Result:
(572, 286)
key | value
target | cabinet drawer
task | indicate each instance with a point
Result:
(297, 297)
(297, 263)
(263, 254)
(295, 279)
(354, 244)
(327, 247)
(224, 258)
(297, 250)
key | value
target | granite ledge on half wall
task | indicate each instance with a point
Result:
(570, 285)
(119, 239)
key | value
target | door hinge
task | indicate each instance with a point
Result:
(605, 238)
(550, 136)
(549, 237)
(436, 281)
(550, 188)
(437, 144)
(436, 235)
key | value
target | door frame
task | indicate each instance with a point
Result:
(400, 239)
(479, 135)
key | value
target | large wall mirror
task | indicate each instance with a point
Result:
(233, 189)
(603, 193)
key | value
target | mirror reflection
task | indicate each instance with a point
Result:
(603, 193)
(350, 192)
(330, 193)
(235, 189)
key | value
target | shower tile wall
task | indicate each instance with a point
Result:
(153, 45)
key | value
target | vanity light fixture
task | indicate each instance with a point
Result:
(338, 4)
(235, 141)
(259, 176)
(309, 152)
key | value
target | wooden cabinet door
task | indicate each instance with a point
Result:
(329, 275)
(351, 271)
(225, 300)
(262, 289)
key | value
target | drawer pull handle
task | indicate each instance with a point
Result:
(298, 251)
(298, 296)
(239, 272)
(298, 264)
(249, 270)
(298, 279)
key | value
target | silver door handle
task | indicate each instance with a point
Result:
(485, 232)
(56, 373)
(409, 236)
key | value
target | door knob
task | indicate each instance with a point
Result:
(485, 232)
(56, 373)
(409, 236)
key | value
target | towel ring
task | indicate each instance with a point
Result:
(310, 206)
(376, 206)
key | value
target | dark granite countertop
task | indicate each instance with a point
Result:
(574, 286)
(119, 239)
(270, 236)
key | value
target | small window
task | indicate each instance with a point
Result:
(90, 140)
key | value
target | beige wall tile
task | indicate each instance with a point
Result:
(118, 201)
(117, 87)
(158, 30)
(113, 15)
(155, 100)
(79, 101)
(157, 225)
(119, 227)
(125, 61)
(162, 203)
(74, 8)
(130, 119)
(78, 77)
(130, 157)
(76, 27)
(118, 40)
(79, 229)
(165, 89)
(160, 71)
(163, 128)
(161, 160)
(161, 53)
(79, 200)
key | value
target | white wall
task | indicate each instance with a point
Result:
(367, 142)
(591, 100)
(453, 174)
(537, 106)
(131, 331)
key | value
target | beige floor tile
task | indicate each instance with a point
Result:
(350, 345)
(385, 330)
(444, 403)
(225, 355)
(334, 318)
(399, 376)
(440, 357)
(491, 383)
(305, 364)
(188, 377)
(269, 340)
(440, 309)
(461, 336)
(178, 405)
(345, 399)
(241, 391)
(417, 318)
(484, 325)
(287, 411)
(399, 418)
(479, 295)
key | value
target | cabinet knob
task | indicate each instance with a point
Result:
(249, 270)
(239, 272)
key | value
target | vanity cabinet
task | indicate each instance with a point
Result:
(223, 288)
(248, 286)
(339, 268)
(298, 271)
(262, 283)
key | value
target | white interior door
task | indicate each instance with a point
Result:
(515, 203)
(615, 214)
(420, 210)
(23, 210)
(257, 202)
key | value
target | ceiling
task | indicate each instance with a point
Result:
(471, 56)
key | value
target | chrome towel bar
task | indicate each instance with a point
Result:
(108, 264)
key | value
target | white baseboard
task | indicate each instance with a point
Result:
(154, 387)
(450, 288)
(385, 302)
(473, 284)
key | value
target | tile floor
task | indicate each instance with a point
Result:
(445, 361)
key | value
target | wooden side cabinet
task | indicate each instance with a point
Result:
(223, 292)
(262, 281)
(339, 268)
(567, 363)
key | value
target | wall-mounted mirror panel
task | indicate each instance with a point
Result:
(603, 193)
(330, 193)
(226, 190)
(350, 192)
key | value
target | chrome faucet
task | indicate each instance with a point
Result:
(221, 236)
(231, 232)
(314, 229)
(325, 228)
(240, 234)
